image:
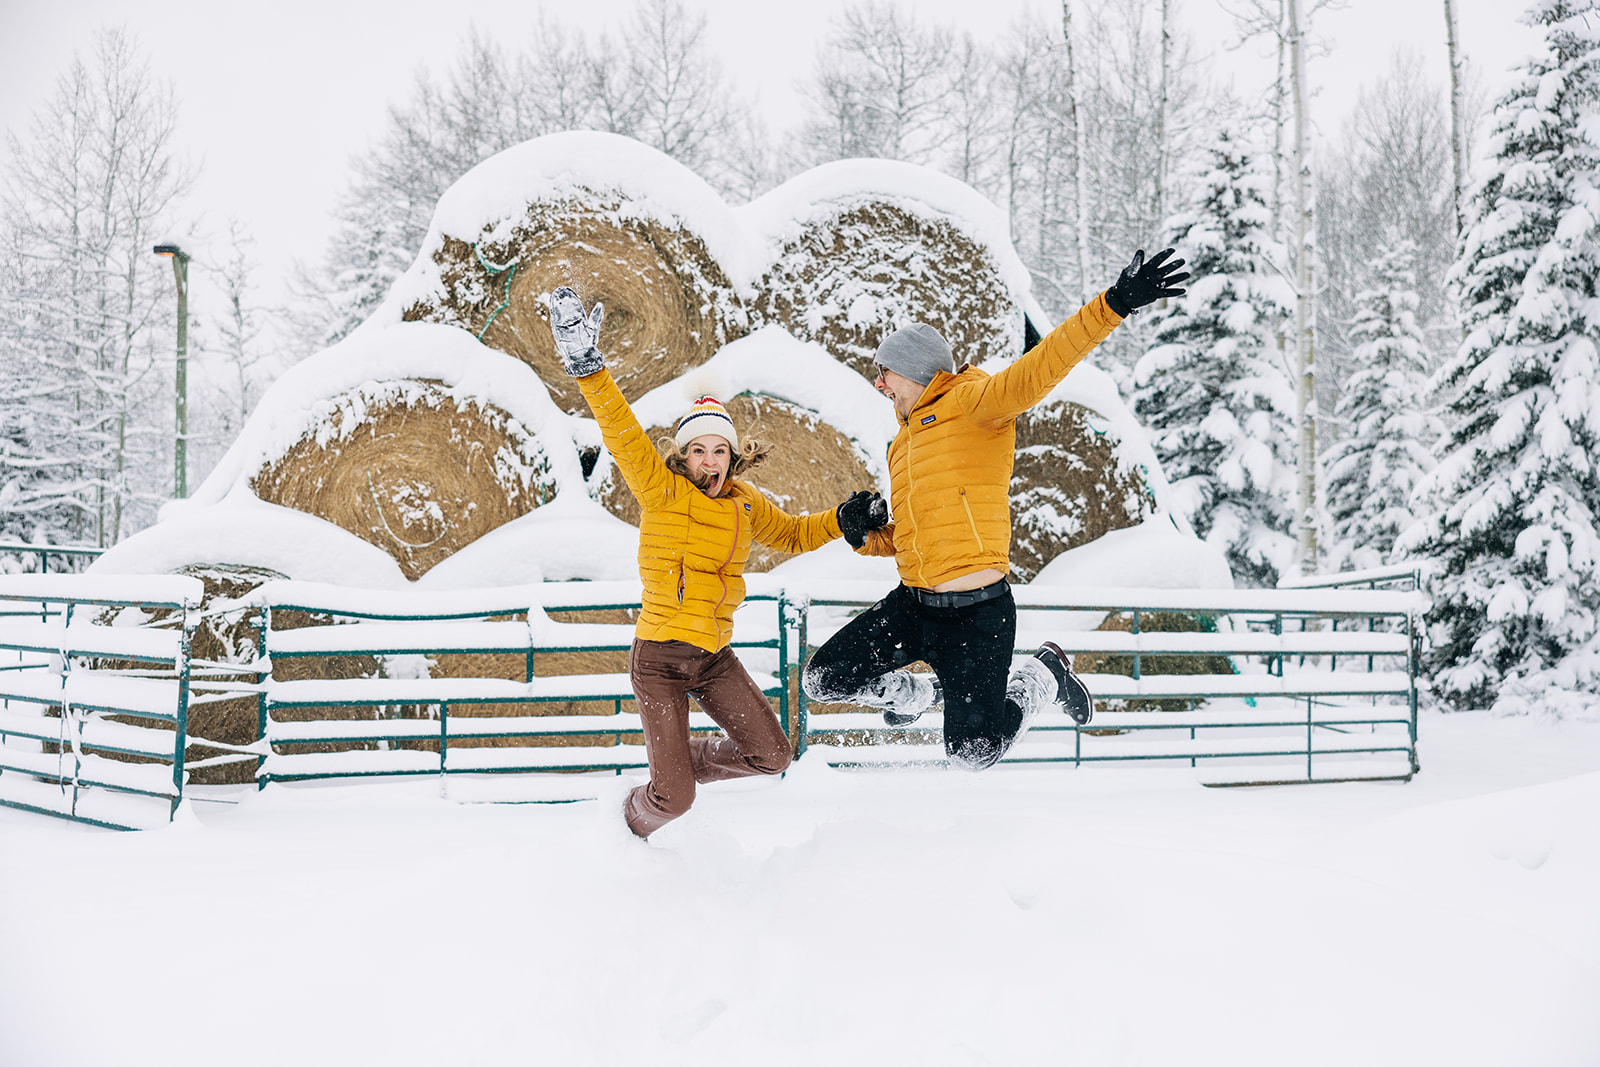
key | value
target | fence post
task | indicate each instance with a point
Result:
(72, 731)
(803, 607)
(783, 660)
(263, 624)
(1413, 664)
(181, 747)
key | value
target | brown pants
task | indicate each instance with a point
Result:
(665, 675)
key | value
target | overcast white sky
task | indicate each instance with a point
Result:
(276, 97)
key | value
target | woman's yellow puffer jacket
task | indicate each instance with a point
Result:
(692, 549)
(950, 464)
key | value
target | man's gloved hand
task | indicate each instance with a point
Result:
(863, 512)
(1144, 282)
(576, 336)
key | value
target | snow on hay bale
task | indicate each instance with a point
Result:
(859, 248)
(411, 468)
(618, 221)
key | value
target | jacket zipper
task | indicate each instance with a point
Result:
(972, 522)
(716, 614)
(911, 491)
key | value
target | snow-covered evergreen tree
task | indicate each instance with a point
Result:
(1214, 390)
(1515, 499)
(1388, 432)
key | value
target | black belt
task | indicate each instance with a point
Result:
(964, 599)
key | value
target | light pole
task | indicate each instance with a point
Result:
(180, 450)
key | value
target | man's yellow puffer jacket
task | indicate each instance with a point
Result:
(692, 549)
(950, 464)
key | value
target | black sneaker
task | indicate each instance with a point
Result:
(1071, 694)
(899, 718)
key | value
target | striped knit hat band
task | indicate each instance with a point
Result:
(706, 415)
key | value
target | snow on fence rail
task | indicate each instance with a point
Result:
(94, 700)
(1270, 713)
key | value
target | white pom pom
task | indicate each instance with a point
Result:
(703, 381)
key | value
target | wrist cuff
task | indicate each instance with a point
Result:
(584, 365)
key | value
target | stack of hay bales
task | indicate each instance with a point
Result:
(859, 248)
(404, 465)
(448, 415)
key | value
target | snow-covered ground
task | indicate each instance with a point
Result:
(1028, 915)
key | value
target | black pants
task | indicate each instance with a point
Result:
(969, 648)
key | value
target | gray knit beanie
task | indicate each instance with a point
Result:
(918, 352)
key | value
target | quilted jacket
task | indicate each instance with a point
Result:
(950, 464)
(692, 549)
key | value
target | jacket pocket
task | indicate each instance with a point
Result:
(972, 523)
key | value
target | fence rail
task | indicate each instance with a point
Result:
(1311, 684)
(71, 558)
(1270, 716)
(449, 725)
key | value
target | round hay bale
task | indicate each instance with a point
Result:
(1068, 486)
(669, 305)
(855, 276)
(811, 468)
(412, 469)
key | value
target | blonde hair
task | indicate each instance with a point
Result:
(746, 457)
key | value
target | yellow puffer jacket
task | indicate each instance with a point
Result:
(692, 549)
(950, 464)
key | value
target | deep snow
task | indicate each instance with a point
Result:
(1031, 914)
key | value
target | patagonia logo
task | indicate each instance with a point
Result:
(929, 419)
(747, 507)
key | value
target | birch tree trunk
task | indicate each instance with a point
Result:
(1080, 193)
(1164, 115)
(1305, 309)
(1457, 115)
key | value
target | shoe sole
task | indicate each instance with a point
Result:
(1078, 703)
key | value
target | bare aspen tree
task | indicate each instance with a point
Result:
(1164, 115)
(1267, 18)
(1457, 113)
(1080, 191)
(678, 83)
(1305, 308)
(91, 188)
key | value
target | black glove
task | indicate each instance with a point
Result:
(1145, 282)
(864, 511)
(576, 336)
